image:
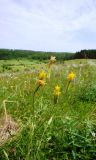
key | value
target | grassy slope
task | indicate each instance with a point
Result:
(62, 131)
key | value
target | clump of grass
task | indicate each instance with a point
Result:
(87, 93)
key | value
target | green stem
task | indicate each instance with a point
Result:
(55, 100)
(67, 87)
(34, 98)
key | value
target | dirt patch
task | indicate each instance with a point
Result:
(8, 129)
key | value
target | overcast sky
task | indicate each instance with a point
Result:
(49, 25)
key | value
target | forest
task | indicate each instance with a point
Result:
(6, 54)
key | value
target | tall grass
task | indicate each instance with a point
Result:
(66, 130)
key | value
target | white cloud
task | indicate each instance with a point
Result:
(47, 25)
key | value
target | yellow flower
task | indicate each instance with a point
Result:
(57, 88)
(42, 75)
(41, 82)
(57, 91)
(71, 76)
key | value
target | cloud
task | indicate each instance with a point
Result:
(53, 25)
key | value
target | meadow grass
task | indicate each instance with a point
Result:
(62, 131)
(16, 65)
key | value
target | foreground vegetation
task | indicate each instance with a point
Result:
(62, 131)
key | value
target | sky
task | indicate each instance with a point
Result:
(48, 25)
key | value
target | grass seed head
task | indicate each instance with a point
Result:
(53, 59)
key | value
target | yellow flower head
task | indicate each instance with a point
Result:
(42, 75)
(41, 82)
(56, 90)
(71, 76)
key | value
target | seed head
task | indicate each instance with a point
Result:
(52, 59)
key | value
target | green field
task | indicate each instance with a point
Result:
(62, 131)
(14, 65)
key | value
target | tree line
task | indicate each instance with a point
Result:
(37, 55)
(6, 54)
(91, 54)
